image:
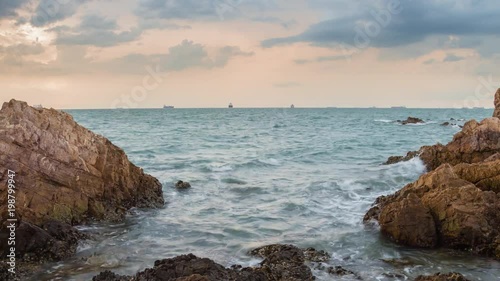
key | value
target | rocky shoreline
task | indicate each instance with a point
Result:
(457, 203)
(68, 176)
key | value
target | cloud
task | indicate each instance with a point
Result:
(274, 20)
(95, 30)
(180, 57)
(320, 59)
(453, 58)
(386, 26)
(430, 61)
(8, 8)
(51, 11)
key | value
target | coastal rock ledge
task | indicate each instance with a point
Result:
(65, 174)
(457, 204)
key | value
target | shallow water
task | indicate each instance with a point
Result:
(261, 176)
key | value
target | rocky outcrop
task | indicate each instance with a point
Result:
(443, 277)
(281, 263)
(497, 104)
(454, 207)
(65, 172)
(411, 120)
(182, 185)
(475, 143)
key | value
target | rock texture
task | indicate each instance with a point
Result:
(411, 120)
(443, 277)
(497, 104)
(456, 207)
(475, 143)
(64, 175)
(182, 185)
(65, 172)
(281, 263)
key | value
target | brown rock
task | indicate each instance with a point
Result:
(409, 222)
(497, 104)
(182, 185)
(465, 216)
(443, 277)
(65, 172)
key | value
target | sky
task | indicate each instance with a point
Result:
(73, 54)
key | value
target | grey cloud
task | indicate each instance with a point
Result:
(416, 21)
(8, 8)
(51, 11)
(269, 19)
(430, 61)
(453, 58)
(95, 30)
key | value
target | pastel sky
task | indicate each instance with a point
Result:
(253, 53)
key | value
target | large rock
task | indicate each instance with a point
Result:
(281, 263)
(463, 203)
(411, 120)
(497, 105)
(65, 172)
(475, 143)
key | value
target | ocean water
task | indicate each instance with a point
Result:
(262, 176)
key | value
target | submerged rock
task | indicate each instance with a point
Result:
(411, 120)
(396, 159)
(182, 185)
(443, 277)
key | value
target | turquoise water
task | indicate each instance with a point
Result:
(261, 176)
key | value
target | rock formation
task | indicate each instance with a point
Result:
(475, 143)
(443, 277)
(411, 120)
(64, 175)
(497, 104)
(182, 185)
(281, 263)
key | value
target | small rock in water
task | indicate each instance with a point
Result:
(182, 185)
(446, 124)
(411, 120)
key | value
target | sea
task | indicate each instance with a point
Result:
(263, 176)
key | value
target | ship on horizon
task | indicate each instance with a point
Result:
(168, 107)
(230, 105)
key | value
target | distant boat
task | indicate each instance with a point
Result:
(398, 107)
(38, 106)
(292, 106)
(168, 106)
(230, 105)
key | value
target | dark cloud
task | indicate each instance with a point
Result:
(95, 30)
(370, 25)
(51, 11)
(8, 8)
(453, 58)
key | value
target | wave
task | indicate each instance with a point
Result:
(384, 120)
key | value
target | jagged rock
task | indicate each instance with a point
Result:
(396, 159)
(409, 222)
(497, 104)
(65, 172)
(446, 124)
(443, 277)
(475, 143)
(463, 204)
(182, 185)
(281, 263)
(411, 120)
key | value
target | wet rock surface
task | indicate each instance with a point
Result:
(443, 277)
(182, 185)
(411, 120)
(281, 263)
(497, 104)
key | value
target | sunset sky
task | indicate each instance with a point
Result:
(253, 53)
